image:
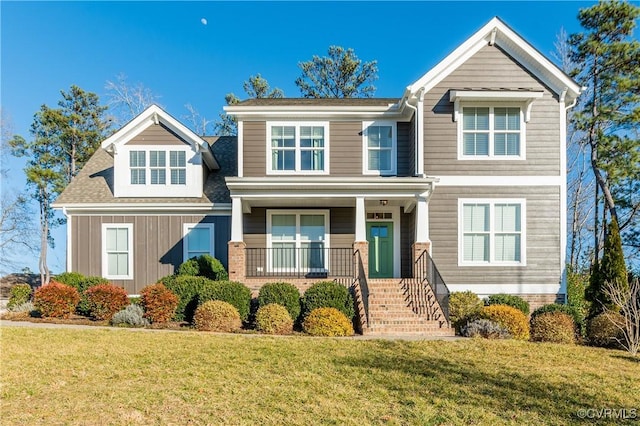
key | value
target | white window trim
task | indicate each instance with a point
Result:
(185, 231)
(105, 258)
(394, 148)
(327, 234)
(492, 106)
(492, 202)
(298, 170)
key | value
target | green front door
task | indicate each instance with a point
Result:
(380, 238)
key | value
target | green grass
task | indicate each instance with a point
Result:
(58, 376)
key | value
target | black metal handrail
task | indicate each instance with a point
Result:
(300, 262)
(426, 270)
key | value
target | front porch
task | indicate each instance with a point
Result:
(369, 234)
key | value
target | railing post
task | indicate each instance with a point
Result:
(363, 248)
(237, 261)
(417, 250)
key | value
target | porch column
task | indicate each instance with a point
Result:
(361, 245)
(422, 242)
(236, 253)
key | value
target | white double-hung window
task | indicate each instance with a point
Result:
(297, 240)
(492, 232)
(117, 251)
(491, 132)
(298, 148)
(379, 148)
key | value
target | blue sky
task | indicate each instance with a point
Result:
(48, 46)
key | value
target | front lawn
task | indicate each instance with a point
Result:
(57, 376)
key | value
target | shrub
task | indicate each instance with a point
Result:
(603, 331)
(284, 294)
(514, 320)
(327, 322)
(573, 311)
(486, 329)
(555, 327)
(216, 315)
(81, 283)
(464, 306)
(25, 307)
(234, 293)
(159, 303)
(131, 316)
(56, 300)
(105, 300)
(187, 288)
(204, 266)
(328, 294)
(508, 300)
(20, 294)
(274, 319)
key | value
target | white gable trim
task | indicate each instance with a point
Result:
(154, 115)
(496, 32)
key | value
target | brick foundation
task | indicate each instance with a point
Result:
(537, 300)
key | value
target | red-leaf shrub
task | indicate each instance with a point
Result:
(159, 303)
(105, 300)
(56, 300)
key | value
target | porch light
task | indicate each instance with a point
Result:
(384, 202)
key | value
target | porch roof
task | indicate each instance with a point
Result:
(313, 191)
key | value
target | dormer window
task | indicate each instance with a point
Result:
(158, 170)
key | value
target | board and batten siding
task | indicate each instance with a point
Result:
(491, 68)
(157, 245)
(542, 236)
(157, 134)
(345, 148)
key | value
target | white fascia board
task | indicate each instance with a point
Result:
(507, 39)
(315, 112)
(493, 180)
(322, 182)
(142, 207)
(152, 115)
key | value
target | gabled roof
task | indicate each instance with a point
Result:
(498, 33)
(155, 115)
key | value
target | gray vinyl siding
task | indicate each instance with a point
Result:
(157, 245)
(404, 149)
(341, 227)
(491, 67)
(542, 236)
(254, 148)
(157, 135)
(345, 148)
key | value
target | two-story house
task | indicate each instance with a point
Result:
(466, 171)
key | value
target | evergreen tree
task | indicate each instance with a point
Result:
(612, 269)
(63, 140)
(341, 74)
(607, 59)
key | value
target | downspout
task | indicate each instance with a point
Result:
(420, 136)
(415, 133)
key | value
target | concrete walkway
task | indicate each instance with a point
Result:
(408, 337)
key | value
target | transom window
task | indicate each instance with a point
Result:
(157, 170)
(492, 232)
(117, 251)
(198, 239)
(492, 132)
(379, 148)
(297, 147)
(297, 240)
